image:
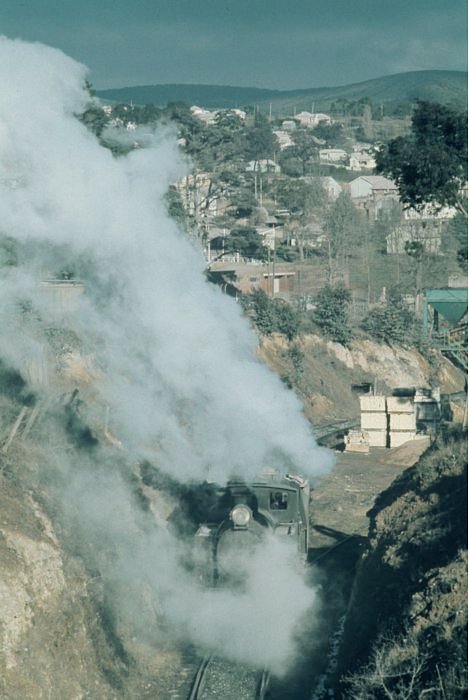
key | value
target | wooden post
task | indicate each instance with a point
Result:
(14, 429)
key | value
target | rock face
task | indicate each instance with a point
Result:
(47, 648)
(323, 372)
(408, 616)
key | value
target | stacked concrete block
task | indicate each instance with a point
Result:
(357, 441)
(374, 420)
(402, 420)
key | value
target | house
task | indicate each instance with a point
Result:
(205, 115)
(284, 139)
(424, 226)
(362, 146)
(429, 211)
(279, 279)
(332, 155)
(372, 187)
(361, 160)
(238, 113)
(271, 235)
(312, 119)
(429, 236)
(199, 195)
(288, 125)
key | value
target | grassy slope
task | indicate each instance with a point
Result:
(447, 87)
(409, 604)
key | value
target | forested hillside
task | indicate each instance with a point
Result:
(446, 87)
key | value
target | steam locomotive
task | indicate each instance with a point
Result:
(243, 514)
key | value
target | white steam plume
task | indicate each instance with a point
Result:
(178, 365)
(182, 376)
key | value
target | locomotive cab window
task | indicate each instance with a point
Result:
(278, 500)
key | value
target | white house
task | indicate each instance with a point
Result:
(238, 113)
(429, 211)
(312, 119)
(429, 237)
(284, 139)
(205, 115)
(362, 161)
(332, 155)
(372, 186)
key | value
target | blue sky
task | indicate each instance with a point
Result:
(266, 43)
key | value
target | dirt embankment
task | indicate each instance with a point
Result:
(61, 636)
(327, 376)
(58, 637)
(406, 626)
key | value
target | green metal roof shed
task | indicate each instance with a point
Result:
(449, 302)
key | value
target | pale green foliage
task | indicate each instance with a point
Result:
(343, 225)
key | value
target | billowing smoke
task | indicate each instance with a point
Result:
(171, 357)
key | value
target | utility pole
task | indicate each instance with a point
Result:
(273, 267)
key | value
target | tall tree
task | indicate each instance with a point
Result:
(305, 148)
(306, 202)
(343, 226)
(260, 139)
(430, 164)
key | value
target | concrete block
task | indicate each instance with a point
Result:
(376, 438)
(399, 437)
(355, 441)
(398, 404)
(373, 421)
(372, 403)
(402, 421)
(362, 447)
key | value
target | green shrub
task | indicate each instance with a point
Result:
(331, 314)
(391, 323)
(271, 315)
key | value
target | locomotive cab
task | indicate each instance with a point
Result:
(245, 512)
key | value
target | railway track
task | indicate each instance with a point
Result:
(218, 678)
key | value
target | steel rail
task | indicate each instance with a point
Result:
(263, 685)
(199, 680)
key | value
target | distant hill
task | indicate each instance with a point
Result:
(446, 87)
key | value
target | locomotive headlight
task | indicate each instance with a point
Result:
(241, 515)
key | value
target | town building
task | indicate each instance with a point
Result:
(424, 226)
(333, 155)
(284, 139)
(289, 125)
(312, 119)
(205, 115)
(360, 160)
(372, 187)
